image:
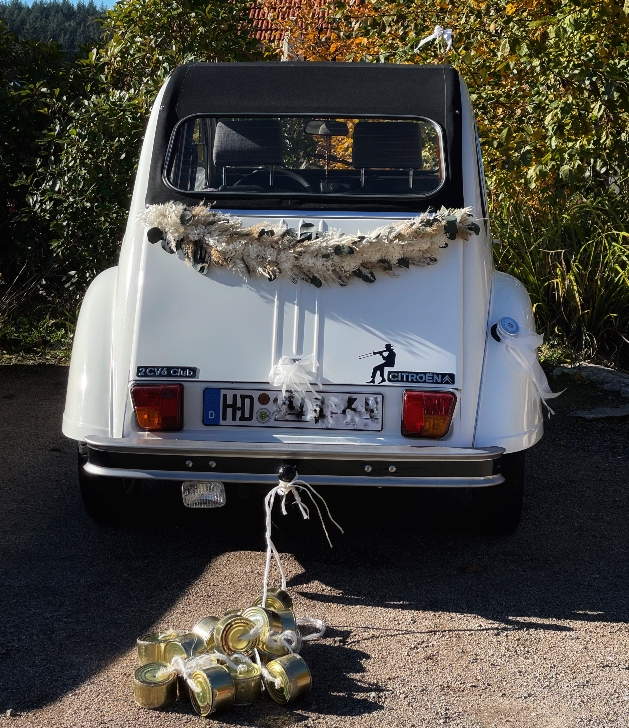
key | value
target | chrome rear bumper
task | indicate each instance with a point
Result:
(405, 466)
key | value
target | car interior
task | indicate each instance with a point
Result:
(305, 156)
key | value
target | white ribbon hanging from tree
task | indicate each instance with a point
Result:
(438, 35)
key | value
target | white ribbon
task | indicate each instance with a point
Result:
(283, 489)
(523, 349)
(298, 376)
(265, 673)
(318, 625)
(437, 34)
(185, 668)
(238, 663)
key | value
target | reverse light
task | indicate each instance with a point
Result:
(427, 414)
(158, 406)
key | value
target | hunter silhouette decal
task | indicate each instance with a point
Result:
(388, 360)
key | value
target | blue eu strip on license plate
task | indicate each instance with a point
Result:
(211, 407)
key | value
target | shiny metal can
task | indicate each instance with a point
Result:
(277, 599)
(230, 635)
(290, 623)
(205, 629)
(247, 683)
(186, 645)
(213, 691)
(233, 613)
(183, 689)
(151, 645)
(269, 621)
(155, 685)
(288, 620)
(292, 676)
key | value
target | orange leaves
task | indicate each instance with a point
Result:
(308, 29)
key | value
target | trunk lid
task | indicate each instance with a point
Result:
(234, 331)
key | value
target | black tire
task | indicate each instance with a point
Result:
(498, 509)
(108, 501)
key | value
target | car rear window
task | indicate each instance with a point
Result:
(297, 157)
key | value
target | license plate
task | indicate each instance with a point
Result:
(267, 408)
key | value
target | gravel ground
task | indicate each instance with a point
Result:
(430, 623)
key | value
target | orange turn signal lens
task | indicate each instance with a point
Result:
(427, 414)
(158, 406)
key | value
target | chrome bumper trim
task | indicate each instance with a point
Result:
(319, 451)
(271, 479)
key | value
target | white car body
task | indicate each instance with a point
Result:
(153, 310)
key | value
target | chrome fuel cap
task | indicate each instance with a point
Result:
(507, 327)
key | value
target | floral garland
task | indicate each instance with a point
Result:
(205, 237)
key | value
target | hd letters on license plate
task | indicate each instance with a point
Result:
(268, 408)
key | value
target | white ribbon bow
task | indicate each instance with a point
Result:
(523, 348)
(296, 376)
(437, 34)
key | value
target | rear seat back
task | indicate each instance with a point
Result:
(248, 143)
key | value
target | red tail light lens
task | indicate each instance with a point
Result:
(158, 406)
(427, 414)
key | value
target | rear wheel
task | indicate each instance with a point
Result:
(107, 501)
(499, 509)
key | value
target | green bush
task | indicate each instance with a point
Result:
(573, 259)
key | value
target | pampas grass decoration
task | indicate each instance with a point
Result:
(206, 237)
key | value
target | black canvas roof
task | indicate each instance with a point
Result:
(341, 89)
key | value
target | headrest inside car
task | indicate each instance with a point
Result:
(387, 145)
(248, 143)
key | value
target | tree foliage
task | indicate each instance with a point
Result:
(549, 79)
(80, 186)
(60, 21)
(28, 69)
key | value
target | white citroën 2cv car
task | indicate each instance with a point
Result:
(305, 285)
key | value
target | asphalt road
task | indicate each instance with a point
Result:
(430, 623)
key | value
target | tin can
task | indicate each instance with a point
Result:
(288, 620)
(270, 622)
(151, 645)
(186, 645)
(233, 613)
(230, 635)
(155, 686)
(205, 629)
(294, 678)
(183, 689)
(277, 599)
(214, 690)
(290, 623)
(247, 683)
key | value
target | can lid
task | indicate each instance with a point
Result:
(507, 327)
(155, 673)
(245, 671)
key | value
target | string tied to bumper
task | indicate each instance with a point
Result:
(289, 484)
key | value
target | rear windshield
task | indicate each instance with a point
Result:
(298, 157)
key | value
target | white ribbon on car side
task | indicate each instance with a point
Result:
(438, 34)
(523, 349)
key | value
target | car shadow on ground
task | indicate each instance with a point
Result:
(76, 595)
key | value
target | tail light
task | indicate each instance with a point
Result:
(158, 406)
(427, 414)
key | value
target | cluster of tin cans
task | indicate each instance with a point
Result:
(226, 661)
